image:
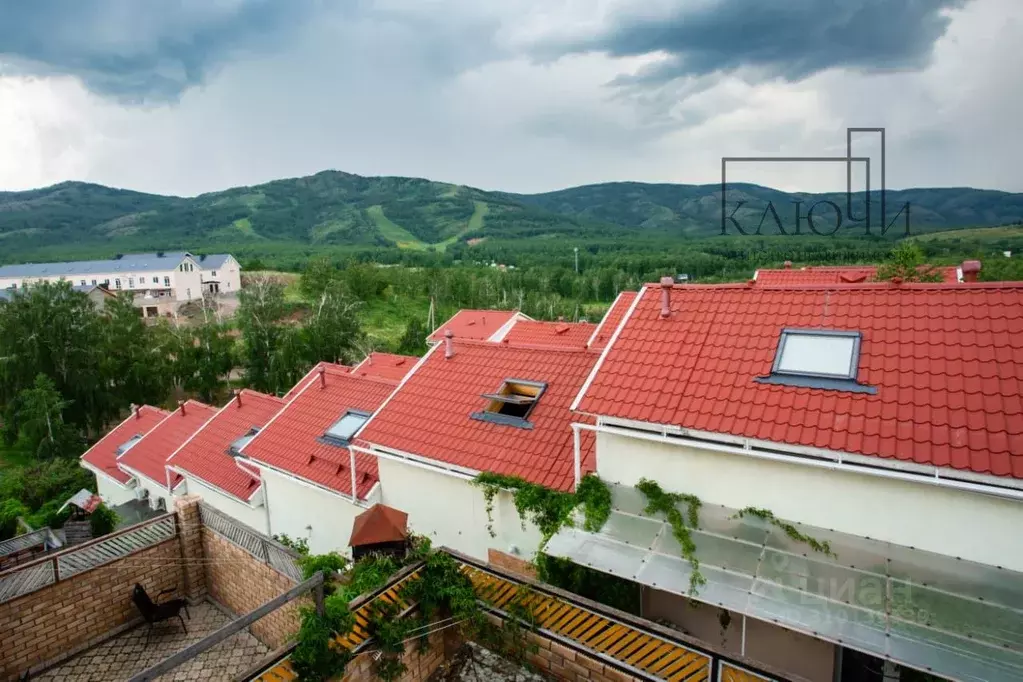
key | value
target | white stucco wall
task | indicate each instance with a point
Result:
(951, 522)
(301, 510)
(112, 492)
(253, 517)
(452, 512)
(228, 274)
(156, 492)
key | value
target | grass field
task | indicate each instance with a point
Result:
(984, 233)
(406, 240)
(396, 233)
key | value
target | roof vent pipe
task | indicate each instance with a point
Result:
(323, 377)
(971, 269)
(238, 397)
(136, 411)
(181, 404)
(666, 285)
(788, 265)
(449, 346)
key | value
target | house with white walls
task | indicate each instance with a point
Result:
(145, 460)
(168, 275)
(210, 464)
(220, 273)
(314, 484)
(472, 406)
(885, 420)
(113, 484)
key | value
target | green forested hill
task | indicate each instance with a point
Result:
(343, 210)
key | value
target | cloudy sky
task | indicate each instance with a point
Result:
(188, 96)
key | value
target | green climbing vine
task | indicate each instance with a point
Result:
(441, 589)
(549, 510)
(661, 502)
(788, 528)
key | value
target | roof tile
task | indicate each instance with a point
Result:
(103, 455)
(149, 455)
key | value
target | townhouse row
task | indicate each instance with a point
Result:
(881, 421)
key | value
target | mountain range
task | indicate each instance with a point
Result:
(336, 208)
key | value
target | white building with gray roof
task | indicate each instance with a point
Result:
(178, 275)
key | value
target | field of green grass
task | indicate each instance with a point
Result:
(397, 234)
(979, 233)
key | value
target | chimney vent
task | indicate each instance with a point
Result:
(449, 346)
(238, 397)
(323, 377)
(666, 284)
(181, 404)
(788, 265)
(971, 269)
(136, 411)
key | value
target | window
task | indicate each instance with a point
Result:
(817, 358)
(106, 282)
(93, 282)
(214, 273)
(129, 445)
(83, 282)
(239, 443)
(117, 284)
(512, 403)
(166, 281)
(156, 280)
(344, 428)
(131, 282)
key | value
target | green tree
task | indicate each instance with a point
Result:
(413, 341)
(267, 356)
(139, 369)
(102, 521)
(907, 262)
(316, 278)
(36, 418)
(333, 332)
(10, 510)
(206, 359)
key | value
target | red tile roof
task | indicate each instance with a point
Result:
(479, 325)
(832, 274)
(560, 334)
(377, 525)
(291, 441)
(606, 329)
(429, 415)
(149, 455)
(206, 455)
(385, 366)
(947, 362)
(310, 374)
(103, 455)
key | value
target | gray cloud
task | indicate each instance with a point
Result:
(140, 50)
(792, 40)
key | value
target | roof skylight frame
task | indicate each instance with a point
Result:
(854, 355)
(236, 446)
(846, 381)
(332, 439)
(129, 444)
(488, 415)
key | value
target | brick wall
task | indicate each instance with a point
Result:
(190, 533)
(509, 562)
(68, 616)
(241, 583)
(420, 665)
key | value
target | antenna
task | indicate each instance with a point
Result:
(431, 321)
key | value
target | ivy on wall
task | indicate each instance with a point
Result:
(549, 510)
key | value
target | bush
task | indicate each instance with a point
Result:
(10, 510)
(102, 521)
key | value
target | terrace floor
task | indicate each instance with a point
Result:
(128, 654)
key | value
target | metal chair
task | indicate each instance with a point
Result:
(156, 612)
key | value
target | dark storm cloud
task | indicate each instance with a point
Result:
(792, 39)
(139, 50)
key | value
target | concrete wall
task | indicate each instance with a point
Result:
(72, 614)
(769, 644)
(452, 512)
(301, 510)
(917, 515)
(112, 492)
(253, 517)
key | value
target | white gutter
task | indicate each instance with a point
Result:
(795, 458)
(576, 450)
(305, 482)
(187, 475)
(100, 472)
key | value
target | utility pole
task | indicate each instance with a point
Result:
(577, 260)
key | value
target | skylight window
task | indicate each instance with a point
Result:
(817, 358)
(512, 403)
(129, 445)
(343, 429)
(239, 443)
